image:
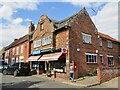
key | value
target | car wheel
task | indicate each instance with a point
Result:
(4, 72)
(15, 73)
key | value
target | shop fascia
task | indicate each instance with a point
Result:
(49, 50)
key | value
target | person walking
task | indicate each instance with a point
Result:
(71, 72)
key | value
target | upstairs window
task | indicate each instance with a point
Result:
(86, 38)
(46, 40)
(100, 42)
(109, 44)
(17, 50)
(13, 51)
(110, 60)
(22, 48)
(37, 43)
(91, 58)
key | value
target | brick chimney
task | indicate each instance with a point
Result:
(31, 27)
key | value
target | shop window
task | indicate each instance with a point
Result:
(91, 58)
(101, 58)
(46, 40)
(110, 60)
(59, 65)
(86, 38)
(37, 43)
(109, 44)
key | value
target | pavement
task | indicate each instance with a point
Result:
(87, 81)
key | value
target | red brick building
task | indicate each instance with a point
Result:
(17, 51)
(76, 35)
(55, 45)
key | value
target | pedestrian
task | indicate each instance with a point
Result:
(71, 72)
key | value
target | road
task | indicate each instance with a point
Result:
(9, 81)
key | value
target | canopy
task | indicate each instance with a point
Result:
(34, 58)
(50, 57)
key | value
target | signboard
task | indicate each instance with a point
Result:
(46, 50)
(36, 52)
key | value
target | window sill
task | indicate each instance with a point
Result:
(109, 47)
(91, 62)
(87, 43)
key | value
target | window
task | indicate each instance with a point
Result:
(21, 58)
(22, 48)
(13, 51)
(100, 42)
(91, 58)
(101, 58)
(41, 25)
(46, 40)
(110, 60)
(109, 44)
(37, 43)
(86, 38)
(17, 50)
(13, 61)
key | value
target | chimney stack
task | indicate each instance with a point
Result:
(31, 27)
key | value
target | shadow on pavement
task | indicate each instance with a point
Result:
(24, 84)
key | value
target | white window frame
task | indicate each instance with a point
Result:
(95, 61)
(22, 48)
(102, 58)
(46, 40)
(37, 43)
(109, 44)
(86, 38)
(17, 60)
(112, 60)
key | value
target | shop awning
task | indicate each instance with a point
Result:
(33, 58)
(50, 57)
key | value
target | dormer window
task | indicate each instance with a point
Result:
(41, 25)
(109, 44)
(86, 38)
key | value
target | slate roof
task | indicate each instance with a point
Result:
(20, 40)
(107, 37)
(67, 21)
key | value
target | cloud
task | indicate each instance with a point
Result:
(104, 15)
(17, 21)
(27, 20)
(107, 19)
(10, 27)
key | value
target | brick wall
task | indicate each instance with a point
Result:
(82, 24)
(107, 73)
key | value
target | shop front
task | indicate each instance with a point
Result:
(54, 64)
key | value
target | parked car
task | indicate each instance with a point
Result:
(17, 69)
(3, 65)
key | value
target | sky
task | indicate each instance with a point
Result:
(15, 16)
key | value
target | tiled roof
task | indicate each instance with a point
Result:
(20, 40)
(67, 21)
(107, 37)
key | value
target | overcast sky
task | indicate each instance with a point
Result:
(15, 16)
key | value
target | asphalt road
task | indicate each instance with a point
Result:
(9, 81)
